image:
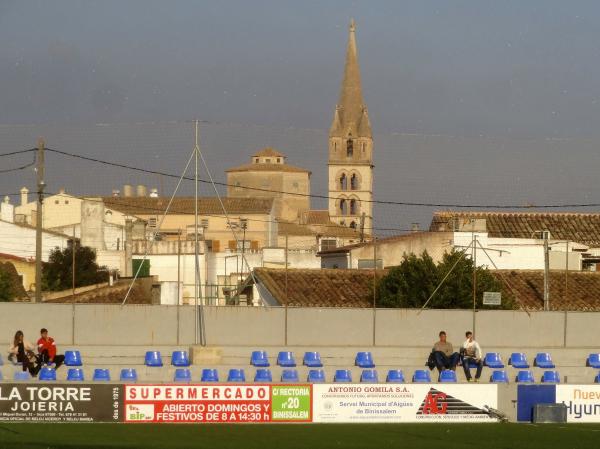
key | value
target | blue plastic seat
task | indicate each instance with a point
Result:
(182, 375)
(153, 358)
(525, 376)
(518, 360)
(342, 375)
(597, 378)
(286, 359)
(312, 360)
(593, 360)
(499, 376)
(259, 359)
(128, 375)
(180, 358)
(316, 376)
(47, 373)
(101, 375)
(543, 360)
(493, 360)
(75, 374)
(236, 375)
(290, 375)
(551, 377)
(421, 375)
(263, 375)
(448, 375)
(1, 361)
(364, 360)
(369, 376)
(209, 375)
(73, 358)
(395, 375)
(22, 375)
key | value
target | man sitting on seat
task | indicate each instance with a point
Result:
(444, 355)
(471, 352)
(47, 350)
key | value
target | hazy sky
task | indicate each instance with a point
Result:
(519, 72)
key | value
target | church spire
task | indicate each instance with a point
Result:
(351, 107)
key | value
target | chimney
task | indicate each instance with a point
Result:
(127, 190)
(154, 192)
(24, 196)
(141, 190)
(115, 193)
(414, 227)
(61, 191)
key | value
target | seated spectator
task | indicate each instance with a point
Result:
(471, 352)
(21, 352)
(47, 350)
(444, 355)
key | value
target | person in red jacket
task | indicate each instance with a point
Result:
(47, 350)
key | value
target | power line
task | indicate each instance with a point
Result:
(383, 202)
(11, 153)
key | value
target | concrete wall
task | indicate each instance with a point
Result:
(98, 324)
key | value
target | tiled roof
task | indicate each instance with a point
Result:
(4, 256)
(186, 205)
(324, 230)
(268, 168)
(575, 227)
(268, 152)
(316, 217)
(582, 289)
(319, 288)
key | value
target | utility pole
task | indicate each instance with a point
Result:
(362, 227)
(286, 289)
(374, 287)
(474, 243)
(546, 236)
(567, 271)
(73, 250)
(39, 216)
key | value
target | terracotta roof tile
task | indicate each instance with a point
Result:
(186, 206)
(268, 152)
(268, 168)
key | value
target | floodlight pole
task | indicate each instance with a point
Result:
(39, 218)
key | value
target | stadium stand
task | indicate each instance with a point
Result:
(73, 358)
(153, 359)
(421, 375)
(260, 359)
(182, 375)
(75, 374)
(47, 373)
(518, 360)
(448, 375)
(286, 359)
(525, 376)
(312, 359)
(290, 375)
(543, 360)
(364, 360)
(210, 375)
(316, 376)
(493, 360)
(395, 376)
(369, 376)
(180, 359)
(342, 375)
(499, 376)
(263, 375)
(593, 360)
(551, 377)
(101, 375)
(236, 375)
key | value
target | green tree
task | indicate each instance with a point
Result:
(6, 292)
(413, 281)
(57, 273)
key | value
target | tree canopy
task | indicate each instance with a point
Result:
(57, 273)
(410, 284)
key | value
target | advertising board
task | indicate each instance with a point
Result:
(351, 403)
(582, 401)
(217, 403)
(73, 402)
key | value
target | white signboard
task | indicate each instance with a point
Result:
(350, 403)
(492, 298)
(582, 401)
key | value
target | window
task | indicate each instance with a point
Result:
(328, 244)
(363, 148)
(267, 161)
(244, 223)
(343, 182)
(349, 148)
(244, 245)
(209, 246)
(279, 160)
(353, 207)
(55, 201)
(354, 182)
(204, 223)
(152, 222)
(66, 201)
(343, 207)
(256, 160)
(295, 185)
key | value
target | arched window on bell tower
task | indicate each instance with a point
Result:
(343, 207)
(349, 147)
(353, 182)
(353, 207)
(343, 182)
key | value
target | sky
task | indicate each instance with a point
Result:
(470, 101)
